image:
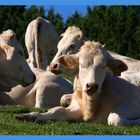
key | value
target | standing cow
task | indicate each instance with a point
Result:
(41, 40)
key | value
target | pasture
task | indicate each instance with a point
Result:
(10, 126)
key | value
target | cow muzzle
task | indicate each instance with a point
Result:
(92, 88)
(56, 68)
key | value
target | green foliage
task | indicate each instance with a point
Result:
(10, 126)
(55, 19)
(116, 26)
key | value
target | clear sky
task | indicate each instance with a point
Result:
(66, 11)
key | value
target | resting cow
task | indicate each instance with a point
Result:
(14, 69)
(71, 42)
(46, 92)
(73, 39)
(41, 40)
(99, 96)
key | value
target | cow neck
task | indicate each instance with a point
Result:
(90, 105)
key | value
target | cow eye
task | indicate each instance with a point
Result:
(83, 65)
(72, 46)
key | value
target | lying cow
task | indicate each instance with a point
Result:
(72, 40)
(100, 96)
(41, 40)
(46, 92)
(14, 69)
(43, 92)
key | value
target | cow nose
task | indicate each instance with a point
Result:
(55, 68)
(92, 87)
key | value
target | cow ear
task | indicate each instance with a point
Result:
(6, 48)
(69, 61)
(117, 66)
(8, 51)
(12, 36)
(2, 54)
(80, 35)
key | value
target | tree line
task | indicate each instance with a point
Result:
(118, 27)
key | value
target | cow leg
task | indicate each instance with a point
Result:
(39, 98)
(73, 112)
(66, 100)
(124, 115)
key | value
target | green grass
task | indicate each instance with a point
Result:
(10, 126)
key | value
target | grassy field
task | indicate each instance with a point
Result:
(9, 125)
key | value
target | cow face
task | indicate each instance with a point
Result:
(14, 69)
(70, 43)
(92, 61)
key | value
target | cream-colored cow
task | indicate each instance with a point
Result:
(14, 69)
(46, 92)
(99, 96)
(41, 40)
(72, 40)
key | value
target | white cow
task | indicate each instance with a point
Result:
(46, 92)
(72, 40)
(100, 96)
(41, 40)
(14, 69)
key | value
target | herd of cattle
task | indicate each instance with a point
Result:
(106, 87)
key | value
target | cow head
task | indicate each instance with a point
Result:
(70, 43)
(9, 37)
(14, 69)
(92, 61)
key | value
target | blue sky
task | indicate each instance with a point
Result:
(66, 11)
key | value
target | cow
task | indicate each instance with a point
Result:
(72, 40)
(46, 92)
(14, 69)
(99, 96)
(41, 93)
(41, 41)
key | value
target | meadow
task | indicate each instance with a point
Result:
(10, 126)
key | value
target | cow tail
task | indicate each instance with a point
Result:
(37, 51)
